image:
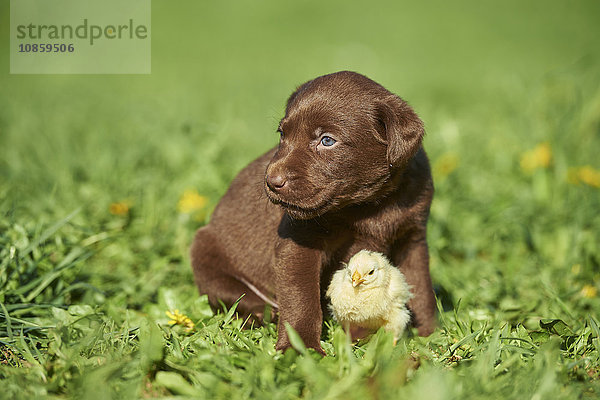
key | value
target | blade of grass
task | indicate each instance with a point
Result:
(49, 232)
(231, 312)
(71, 260)
(464, 340)
(8, 322)
(295, 339)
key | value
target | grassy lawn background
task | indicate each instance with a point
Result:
(94, 233)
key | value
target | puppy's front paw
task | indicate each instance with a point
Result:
(319, 350)
(284, 344)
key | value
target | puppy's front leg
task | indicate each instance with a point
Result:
(297, 273)
(413, 260)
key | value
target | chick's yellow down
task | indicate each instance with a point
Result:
(370, 293)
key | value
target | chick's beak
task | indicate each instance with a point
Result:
(357, 279)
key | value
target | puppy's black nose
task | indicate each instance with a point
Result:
(275, 182)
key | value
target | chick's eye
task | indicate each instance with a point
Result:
(371, 272)
(327, 141)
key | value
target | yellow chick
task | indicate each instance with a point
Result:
(370, 293)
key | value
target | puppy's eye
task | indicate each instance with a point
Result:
(371, 272)
(327, 141)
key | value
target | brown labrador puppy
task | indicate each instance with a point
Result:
(349, 174)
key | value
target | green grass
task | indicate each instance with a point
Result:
(514, 254)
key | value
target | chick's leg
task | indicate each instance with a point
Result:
(412, 257)
(397, 322)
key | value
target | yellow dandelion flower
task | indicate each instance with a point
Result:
(538, 157)
(120, 208)
(191, 201)
(445, 165)
(178, 318)
(589, 291)
(586, 174)
(589, 176)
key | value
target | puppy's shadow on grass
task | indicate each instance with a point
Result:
(444, 297)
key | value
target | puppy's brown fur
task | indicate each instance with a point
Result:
(292, 216)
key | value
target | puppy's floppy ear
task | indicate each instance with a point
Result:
(400, 128)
